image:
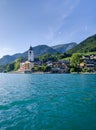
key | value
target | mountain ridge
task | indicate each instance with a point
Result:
(38, 50)
(87, 45)
(61, 48)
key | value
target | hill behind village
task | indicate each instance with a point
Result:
(38, 51)
(88, 45)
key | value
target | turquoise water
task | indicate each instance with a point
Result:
(47, 102)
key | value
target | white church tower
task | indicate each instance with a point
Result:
(30, 54)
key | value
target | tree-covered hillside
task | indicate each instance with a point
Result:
(88, 45)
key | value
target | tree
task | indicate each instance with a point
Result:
(17, 63)
(37, 68)
(72, 70)
(14, 66)
(75, 61)
(46, 68)
(10, 67)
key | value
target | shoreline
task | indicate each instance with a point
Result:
(15, 72)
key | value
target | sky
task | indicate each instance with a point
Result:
(51, 22)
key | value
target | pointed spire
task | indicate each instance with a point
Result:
(30, 48)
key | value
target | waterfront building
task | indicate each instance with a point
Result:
(28, 65)
(30, 54)
(89, 63)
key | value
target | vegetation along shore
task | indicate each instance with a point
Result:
(81, 58)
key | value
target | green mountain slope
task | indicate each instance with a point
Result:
(88, 45)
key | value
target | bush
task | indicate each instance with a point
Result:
(84, 70)
(72, 70)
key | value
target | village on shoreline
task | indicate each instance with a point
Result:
(75, 63)
(82, 64)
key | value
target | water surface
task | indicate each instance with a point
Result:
(47, 102)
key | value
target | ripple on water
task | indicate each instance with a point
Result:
(50, 102)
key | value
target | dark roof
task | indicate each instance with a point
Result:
(30, 48)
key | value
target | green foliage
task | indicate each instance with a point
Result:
(47, 57)
(66, 59)
(84, 70)
(43, 68)
(37, 68)
(57, 56)
(46, 68)
(72, 70)
(75, 61)
(14, 66)
(17, 63)
(88, 45)
(10, 67)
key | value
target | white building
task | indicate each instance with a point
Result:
(28, 65)
(30, 54)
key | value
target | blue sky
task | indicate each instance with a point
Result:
(34, 22)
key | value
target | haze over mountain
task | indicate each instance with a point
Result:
(64, 47)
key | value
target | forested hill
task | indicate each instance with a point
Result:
(38, 50)
(88, 45)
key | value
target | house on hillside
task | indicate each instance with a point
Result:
(89, 62)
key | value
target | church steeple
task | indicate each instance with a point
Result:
(30, 48)
(30, 54)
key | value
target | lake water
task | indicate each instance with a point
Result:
(47, 102)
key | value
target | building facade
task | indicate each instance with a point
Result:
(30, 54)
(28, 65)
(89, 63)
